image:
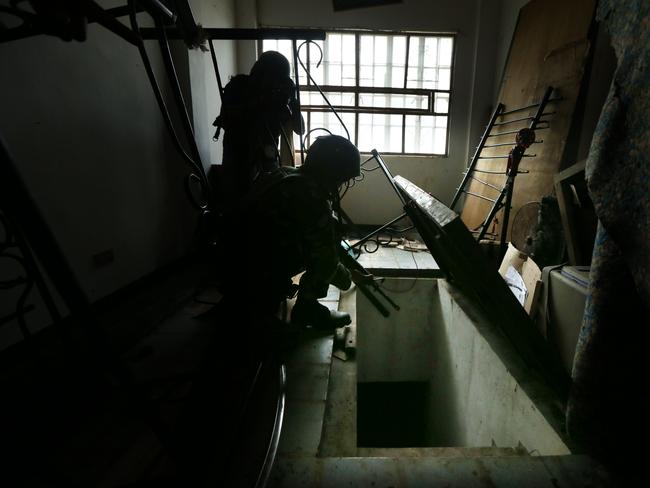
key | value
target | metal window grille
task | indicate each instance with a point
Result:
(392, 90)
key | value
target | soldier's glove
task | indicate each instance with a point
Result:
(342, 278)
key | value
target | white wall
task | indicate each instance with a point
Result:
(206, 102)
(372, 201)
(84, 128)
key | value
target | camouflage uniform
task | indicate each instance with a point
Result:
(290, 222)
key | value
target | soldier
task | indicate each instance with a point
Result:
(256, 109)
(289, 218)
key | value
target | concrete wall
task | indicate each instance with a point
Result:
(479, 393)
(398, 347)
(473, 20)
(84, 128)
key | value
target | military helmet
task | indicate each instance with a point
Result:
(271, 65)
(333, 160)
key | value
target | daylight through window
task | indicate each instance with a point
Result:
(393, 91)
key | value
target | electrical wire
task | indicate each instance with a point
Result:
(311, 78)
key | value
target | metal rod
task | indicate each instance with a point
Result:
(425, 92)
(510, 183)
(388, 174)
(507, 144)
(485, 183)
(520, 109)
(478, 196)
(156, 6)
(477, 153)
(387, 298)
(493, 211)
(243, 34)
(515, 131)
(506, 157)
(108, 21)
(374, 110)
(521, 119)
(488, 172)
(365, 239)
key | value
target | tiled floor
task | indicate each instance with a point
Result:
(391, 261)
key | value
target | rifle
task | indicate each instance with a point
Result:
(365, 281)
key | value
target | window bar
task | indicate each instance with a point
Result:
(418, 120)
(406, 70)
(388, 76)
(357, 63)
(515, 131)
(485, 183)
(489, 172)
(509, 144)
(297, 76)
(506, 157)
(521, 109)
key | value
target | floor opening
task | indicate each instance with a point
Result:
(392, 414)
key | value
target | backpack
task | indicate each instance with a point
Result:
(233, 104)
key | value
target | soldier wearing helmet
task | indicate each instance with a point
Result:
(256, 109)
(289, 216)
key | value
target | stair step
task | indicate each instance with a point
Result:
(444, 452)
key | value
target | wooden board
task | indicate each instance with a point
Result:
(460, 257)
(549, 48)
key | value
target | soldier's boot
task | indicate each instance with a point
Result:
(310, 312)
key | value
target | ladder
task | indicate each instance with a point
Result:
(524, 139)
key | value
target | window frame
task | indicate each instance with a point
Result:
(358, 89)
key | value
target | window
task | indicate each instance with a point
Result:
(392, 91)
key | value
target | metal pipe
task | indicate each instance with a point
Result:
(478, 196)
(149, 33)
(522, 119)
(520, 109)
(365, 239)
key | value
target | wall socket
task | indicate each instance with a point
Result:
(103, 258)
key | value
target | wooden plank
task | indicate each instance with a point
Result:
(460, 257)
(567, 213)
(549, 48)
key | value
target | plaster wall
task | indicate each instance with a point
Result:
(86, 133)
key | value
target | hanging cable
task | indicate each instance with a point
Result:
(313, 130)
(311, 78)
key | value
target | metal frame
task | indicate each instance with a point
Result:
(358, 89)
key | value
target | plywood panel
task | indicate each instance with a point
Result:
(549, 48)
